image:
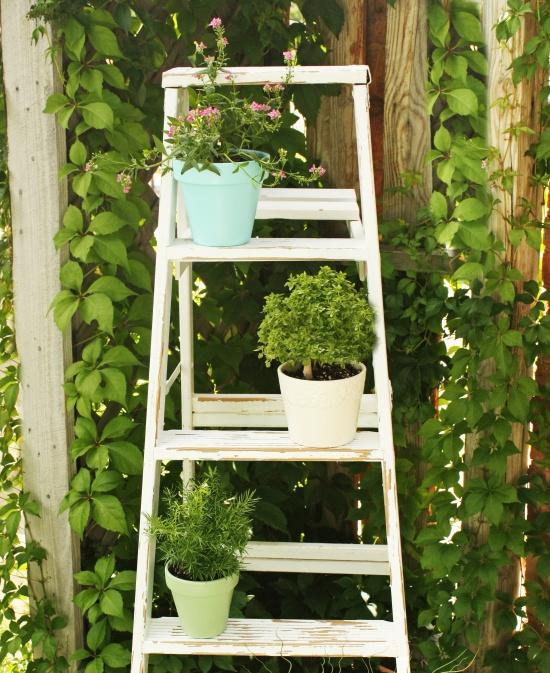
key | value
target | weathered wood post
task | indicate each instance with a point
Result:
(508, 105)
(36, 150)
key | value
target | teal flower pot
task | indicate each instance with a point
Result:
(203, 607)
(221, 208)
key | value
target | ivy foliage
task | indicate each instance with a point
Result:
(476, 531)
(113, 54)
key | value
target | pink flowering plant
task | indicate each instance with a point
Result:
(223, 125)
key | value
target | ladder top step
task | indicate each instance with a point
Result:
(301, 74)
(263, 445)
(290, 638)
(271, 249)
(307, 204)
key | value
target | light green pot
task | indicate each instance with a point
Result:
(203, 607)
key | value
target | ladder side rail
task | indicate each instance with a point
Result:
(185, 314)
(249, 75)
(155, 406)
(380, 364)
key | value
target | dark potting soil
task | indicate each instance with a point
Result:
(326, 372)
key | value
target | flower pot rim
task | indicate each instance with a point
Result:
(361, 366)
(260, 153)
(219, 580)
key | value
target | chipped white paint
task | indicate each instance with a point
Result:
(380, 364)
(259, 411)
(259, 445)
(302, 74)
(361, 638)
(284, 637)
(272, 250)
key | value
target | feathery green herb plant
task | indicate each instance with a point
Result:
(205, 530)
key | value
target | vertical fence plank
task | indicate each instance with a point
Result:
(406, 121)
(508, 105)
(36, 150)
(334, 144)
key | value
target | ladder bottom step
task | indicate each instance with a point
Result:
(285, 637)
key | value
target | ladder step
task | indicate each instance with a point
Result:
(271, 250)
(259, 445)
(307, 204)
(317, 557)
(284, 637)
(259, 411)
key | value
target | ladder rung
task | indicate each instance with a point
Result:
(259, 411)
(271, 250)
(301, 74)
(317, 557)
(298, 204)
(281, 637)
(259, 445)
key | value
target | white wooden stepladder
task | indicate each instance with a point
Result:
(176, 253)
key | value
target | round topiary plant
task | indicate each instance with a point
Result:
(324, 320)
(205, 530)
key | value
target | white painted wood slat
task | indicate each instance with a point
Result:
(272, 250)
(288, 637)
(301, 74)
(261, 445)
(259, 411)
(317, 557)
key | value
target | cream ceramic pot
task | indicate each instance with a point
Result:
(322, 413)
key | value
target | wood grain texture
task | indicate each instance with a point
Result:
(520, 107)
(302, 74)
(38, 199)
(281, 637)
(264, 445)
(406, 120)
(259, 411)
(333, 144)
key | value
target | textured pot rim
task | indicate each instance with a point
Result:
(361, 366)
(202, 583)
(260, 153)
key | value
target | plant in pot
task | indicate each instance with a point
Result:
(202, 537)
(320, 332)
(215, 149)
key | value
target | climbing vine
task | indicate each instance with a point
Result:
(465, 528)
(477, 532)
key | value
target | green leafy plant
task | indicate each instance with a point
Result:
(205, 530)
(323, 320)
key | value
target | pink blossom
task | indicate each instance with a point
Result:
(215, 23)
(120, 177)
(273, 87)
(208, 111)
(279, 174)
(224, 41)
(209, 59)
(191, 115)
(259, 107)
(171, 131)
(126, 189)
(319, 170)
(289, 55)
(200, 46)
(89, 166)
(274, 114)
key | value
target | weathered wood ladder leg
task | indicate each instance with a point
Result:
(155, 407)
(380, 365)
